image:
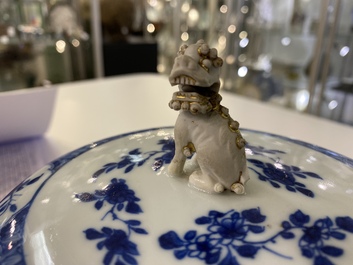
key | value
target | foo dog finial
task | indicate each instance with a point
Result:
(204, 130)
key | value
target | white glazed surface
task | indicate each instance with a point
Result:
(57, 215)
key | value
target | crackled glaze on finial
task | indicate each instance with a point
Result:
(204, 129)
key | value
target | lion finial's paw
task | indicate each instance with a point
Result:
(218, 187)
(238, 188)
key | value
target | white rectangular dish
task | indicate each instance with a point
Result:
(25, 113)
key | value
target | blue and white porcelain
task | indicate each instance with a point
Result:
(112, 202)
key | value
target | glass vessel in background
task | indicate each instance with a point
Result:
(42, 42)
(293, 53)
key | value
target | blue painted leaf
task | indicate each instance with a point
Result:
(135, 152)
(141, 163)
(139, 231)
(92, 233)
(132, 248)
(229, 260)
(180, 254)
(108, 258)
(120, 206)
(320, 260)
(338, 235)
(215, 214)
(170, 240)
(287, 235)
(203, 220)
(114, 216)
(256, 229)
(295, 168)
(299, 184)
(257, 163)
(247, 251)
(290, 188)
(110, 169)
(253, 215)
(190, 235)
(307, 252)
(110, 165)
(108, 231)
(20, 187)
(312, 175)
(213, 257)
(101, 245)
(332, 251)
(285, 168)
(13, 208)
(34, 180)
(271, 168)
(129, 168)
(300, 175)
(263, 178)
(345, 223)
(124, 162)
(299, 218)
(98, 204)
(98, 173)
(327, 221)
(129, 259)
(3, 208)
(275, 184)
(235, 215)
(133, 222)
(306, 192)
(133, 207)
(286, 225)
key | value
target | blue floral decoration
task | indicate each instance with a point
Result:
(9, 202)
(227, 237)
(278, 174)
(136, 158)
(116, 242)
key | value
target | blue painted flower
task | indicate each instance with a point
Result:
(236, 226)
(232, 229)
(117, 193)
(227, 232)
(278, 175)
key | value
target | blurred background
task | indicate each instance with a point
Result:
(297, 54)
